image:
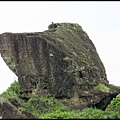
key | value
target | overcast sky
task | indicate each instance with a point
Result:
(100, 19)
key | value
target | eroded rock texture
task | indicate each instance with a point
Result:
(10, 109)
(61, 61)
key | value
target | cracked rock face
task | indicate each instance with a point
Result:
(61, 61)
(9, 110)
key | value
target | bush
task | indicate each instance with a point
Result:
(50, 107)
(44, 105)
(114, 105)
(61, 115)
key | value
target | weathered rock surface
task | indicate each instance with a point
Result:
(9, 110)
(104, 102)
(62, 61)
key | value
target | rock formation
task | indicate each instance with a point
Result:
(61, 61)
(10, 109)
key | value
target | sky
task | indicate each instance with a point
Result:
(100, 19)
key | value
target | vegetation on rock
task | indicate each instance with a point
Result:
(102, 87)
(62, 61)
(60, 75)
(48, 107)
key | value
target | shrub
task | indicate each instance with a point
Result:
(114, 105)
(43, 105)
(61, 115)
(50, 107)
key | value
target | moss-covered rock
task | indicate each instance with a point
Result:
(61, 61)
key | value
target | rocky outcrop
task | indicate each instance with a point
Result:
(61, 61)
(10, 109)
(104, 102)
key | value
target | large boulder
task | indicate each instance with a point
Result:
(10, 109)
(62, 61)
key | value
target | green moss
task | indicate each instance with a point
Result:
(86, 92)
(66, 58)
(74, 53)
(102, 87)
(83, 61)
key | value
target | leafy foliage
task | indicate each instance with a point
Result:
(115, 104)
(42, 105)
(58, 114)
(48, 107)
(93, 113)
(12, 91)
